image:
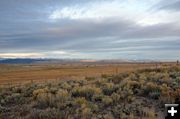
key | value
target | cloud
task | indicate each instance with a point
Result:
(123, 29)
(91, 36)
(21, 55)
(173, 5)
(92, 10)
(90, 29)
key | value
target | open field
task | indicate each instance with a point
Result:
(127, 94)
(42, 72)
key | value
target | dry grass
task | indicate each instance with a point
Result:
(133, 95)
(39, 72)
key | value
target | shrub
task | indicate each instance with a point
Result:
(65, 85)
(130, 98)
(44, 98)
(15, 98)
(94, 108)
(151, 87)
(118, 78)
(107, 100)
(62, 95)
(109, 88)
(115, 97)
(86, 113)
(83, 112)
(85, 91)
(108, 116)
(104, 75)
(90, 78)
(133, 76)
(53, 90)
(49, 113)
(39, 91)
(98, 98)
(17, 90)
(134, 85)
(143, 77)
(127, 96)
(154, 94)
(150, 114)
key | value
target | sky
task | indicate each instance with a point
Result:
(90, 29)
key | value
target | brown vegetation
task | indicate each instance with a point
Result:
(141, 93)
(42, 72)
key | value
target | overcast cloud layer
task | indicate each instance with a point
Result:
(96, 29)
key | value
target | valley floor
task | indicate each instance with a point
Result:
(128, 95)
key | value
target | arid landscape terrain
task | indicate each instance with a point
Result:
(89, 59)
(19, 73)
(88, 91)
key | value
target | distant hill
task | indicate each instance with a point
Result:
(21, 61)
(65, 61)
(37, 60)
